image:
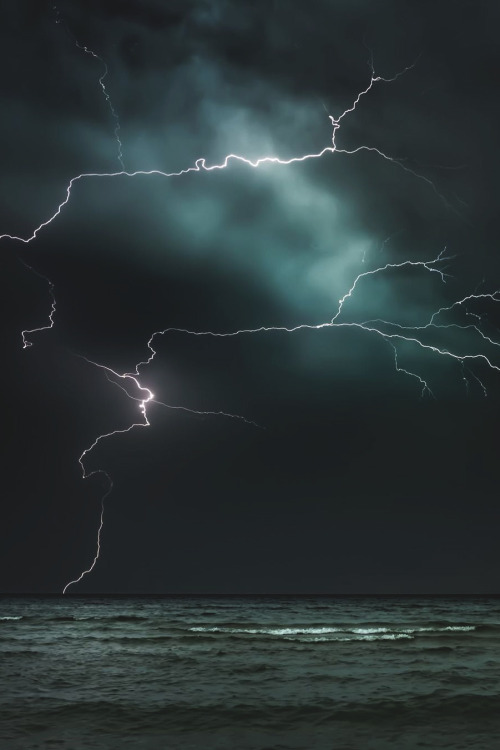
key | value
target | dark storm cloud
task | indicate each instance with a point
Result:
(342, 483)
(213, 101)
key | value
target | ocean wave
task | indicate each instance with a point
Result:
(263, 631)
(92, 619)
(17, 652)
(114, 618)
(445, 629)
(103, 618)
(357, 638)
(132, 718)
(359, 633)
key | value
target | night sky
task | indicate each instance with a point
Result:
(354, 481)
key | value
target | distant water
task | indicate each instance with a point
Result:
(250, 673)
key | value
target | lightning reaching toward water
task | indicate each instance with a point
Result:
(392, 333)
(380, 328)
(99, 530)
(145, 398)
(122, 380)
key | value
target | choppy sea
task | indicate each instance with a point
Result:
(250, 673)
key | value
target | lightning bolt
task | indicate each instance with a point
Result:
(122, 380)
(407, 334)
(108, 100)
(393, 333)
(24, 334)
(200, 165)
(101, 524)
(144, 400)
(398, 368)
(372, 327)
(102, 85)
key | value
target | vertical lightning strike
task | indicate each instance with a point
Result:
(99, 530)
(143, 402)
(108, 100)
(102, 78)
(24, 334)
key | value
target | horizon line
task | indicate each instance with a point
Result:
(165, 595)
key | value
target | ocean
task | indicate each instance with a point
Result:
(249, 673)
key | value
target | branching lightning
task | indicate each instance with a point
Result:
(200, 165)
(392, 332)
(122, 380)
(377, 327)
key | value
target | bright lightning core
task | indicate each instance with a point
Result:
(389, 331)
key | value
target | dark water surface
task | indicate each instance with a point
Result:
(250, 673)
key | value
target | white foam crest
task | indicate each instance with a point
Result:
(267, 631)
(356, 638)
(443, 629)
(464, 628)
(7, 617)
(357, 633)
(385, 637)
(368, 631)
(380, 637)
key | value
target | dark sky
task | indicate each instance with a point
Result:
(354, 482)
